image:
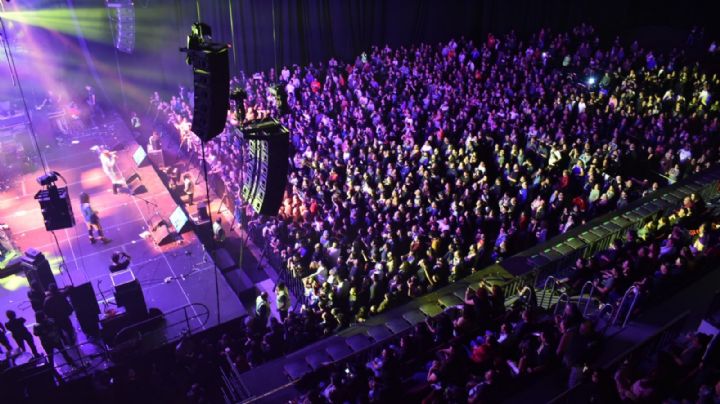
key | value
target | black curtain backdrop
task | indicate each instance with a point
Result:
(307, 31)
(285, 32)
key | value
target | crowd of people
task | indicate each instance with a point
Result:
(52, 325)
(414, 167)
(479, 354)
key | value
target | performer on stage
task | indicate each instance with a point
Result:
(92, 220)
(188, 188)
(108, 160)
(218, 231)
(6, 244)
(120, 261)
(135, 123)
(154, 141)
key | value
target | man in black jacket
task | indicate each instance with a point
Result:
(50, 338)
(21, 335)
(57, 308)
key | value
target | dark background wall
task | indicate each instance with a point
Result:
(315, 30)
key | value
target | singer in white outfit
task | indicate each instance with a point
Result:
(108, 160)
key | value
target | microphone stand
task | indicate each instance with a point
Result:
(105, 301)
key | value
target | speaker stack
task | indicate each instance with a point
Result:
(129, 294)
(56, 208)
(37, 268)
(86, 307)
(211, 77)
(266, 166)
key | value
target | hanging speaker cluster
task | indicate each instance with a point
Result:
(54, 203)
(122, 22)
(211, 82)
(266, 165)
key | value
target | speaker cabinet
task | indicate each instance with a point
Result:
(157, 158)
(37, 268)
(203, 212)
(56, 208)
(269, 144)
(129, 294)
(162, 235)
(135, 185)
(211, 78)
(86, 307)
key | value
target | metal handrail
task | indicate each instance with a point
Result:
(564, 298)
(635, 292)
(553, 288)
(655, 343)
(589, 298)
(203, 317)
(608, 309)
(103, 353)
(233, 381)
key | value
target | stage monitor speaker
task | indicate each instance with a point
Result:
(86, 307)
(212, 90)
(203, 212)
(37, 268)
(135, 185)
(162, 235)
(56, 208)
(129, 294)
(157, 221)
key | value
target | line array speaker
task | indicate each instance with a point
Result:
(56, 208)
(211, 77)
(266, 166)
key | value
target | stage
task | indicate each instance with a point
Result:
(172, 276)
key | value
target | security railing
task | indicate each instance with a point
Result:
(640, 351)
(193, 317)
(233, 388)
(86, 360)
(549, 290)
(622, 315)
(563, 301)
(587, 289)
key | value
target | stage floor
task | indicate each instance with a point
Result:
(172, 276)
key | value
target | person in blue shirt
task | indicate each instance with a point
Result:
(92, 220)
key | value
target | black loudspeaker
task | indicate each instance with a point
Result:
(56, 208)
(162, 235)
(129, 294)
(211, 78)
(86, 307)
(157, 158)
(269, 144)
(223, 260)
(157, 221)
(135, 185)
(203, 212)
(204, 231)
(37, 268)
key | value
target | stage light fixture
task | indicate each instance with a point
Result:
(47, 179)
(591, 80)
